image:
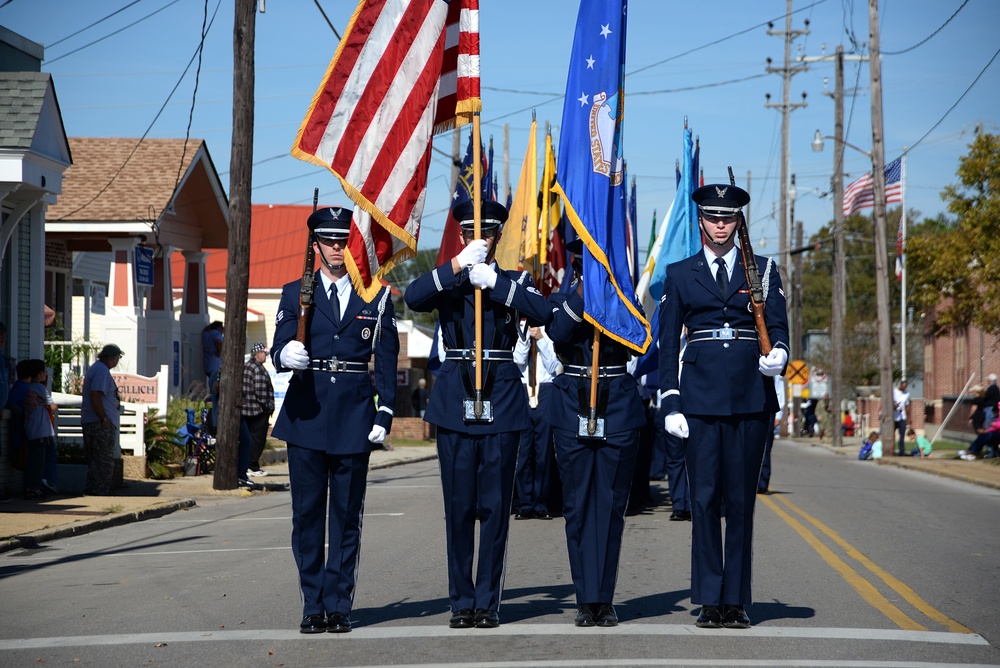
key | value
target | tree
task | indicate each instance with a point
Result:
(860, 355)
(960, 259)
(403, 274)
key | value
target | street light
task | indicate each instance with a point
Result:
(818, 144)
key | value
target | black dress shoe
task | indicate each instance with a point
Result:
(680, 516)
(313, 624)
(545, 515)
(763, 490)
(463, 619)
(710, 617)
(523, 515)
(487, 619)
(604, 615)
(585, 616)
(338, 623)
(735, 617)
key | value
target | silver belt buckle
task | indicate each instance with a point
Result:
(331, 365)
(469, 406)
(727, 333)
(583, 427)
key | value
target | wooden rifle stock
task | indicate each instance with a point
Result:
(753, 279)
(308, 282)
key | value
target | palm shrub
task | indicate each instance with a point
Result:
(163, 444)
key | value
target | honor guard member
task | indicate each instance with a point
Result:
(332, 417)
(596, 472)
(536, 459)
(724, 399)
(477, 454)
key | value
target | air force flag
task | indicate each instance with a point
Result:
(591, 171)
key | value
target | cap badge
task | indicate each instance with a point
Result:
(720, 192)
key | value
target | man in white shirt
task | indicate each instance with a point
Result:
(900, 401)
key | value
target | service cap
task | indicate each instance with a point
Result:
(332, 222)
(492, 214)
(720, 200)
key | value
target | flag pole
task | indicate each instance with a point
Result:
(594, 374)
(477, 202)
(902, 262)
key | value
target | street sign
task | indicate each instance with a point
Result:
(797, 372)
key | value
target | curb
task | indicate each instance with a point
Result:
(34, 539)
(387, 465)
(951, 475)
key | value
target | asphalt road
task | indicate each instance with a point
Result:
(855, 564)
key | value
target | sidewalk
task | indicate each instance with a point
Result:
(984, 472)
(31, 523)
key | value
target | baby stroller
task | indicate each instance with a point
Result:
(199, 444)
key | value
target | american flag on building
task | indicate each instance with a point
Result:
(404, 70)
(861, 194)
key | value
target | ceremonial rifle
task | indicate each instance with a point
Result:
(753, 279)
(308, 282)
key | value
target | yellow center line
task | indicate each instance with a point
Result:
(862, 586)
(898, 586)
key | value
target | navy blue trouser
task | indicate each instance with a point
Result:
(327, 584)
(724, 456)
(596, 478)
(677, 479)
(477, 476)
(535, 461)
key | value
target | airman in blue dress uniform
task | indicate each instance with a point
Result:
(332, 417)
(596, 472)
(478, 456)
(723, 400)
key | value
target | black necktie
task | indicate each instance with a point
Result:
(722, 277)
(335, 304)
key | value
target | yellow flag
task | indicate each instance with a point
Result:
(522, 220)
(551, 210)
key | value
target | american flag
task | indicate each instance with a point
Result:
(861, 194)
(404, 70)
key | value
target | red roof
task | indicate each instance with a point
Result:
(277, 250)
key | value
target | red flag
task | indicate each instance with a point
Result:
(373, 117)
(555, 267)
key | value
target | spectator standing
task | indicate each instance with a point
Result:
(100, 417)
(901, 401)
(536, 457)
(39, 432)
(420, 398)
(211, 347)
(808, 417)
(332, 417)
(256, 409)
(824, 416)
(990, 399)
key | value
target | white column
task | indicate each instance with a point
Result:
(193, 318)
(162, 328)
(124, 322)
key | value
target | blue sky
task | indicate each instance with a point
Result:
(677, 52)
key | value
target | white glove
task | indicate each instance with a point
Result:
(772, 363)
(483, 276)
(377, 434)
(473, 253)
(294, 356)
(676, 425)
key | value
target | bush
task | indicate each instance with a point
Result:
(163, 444)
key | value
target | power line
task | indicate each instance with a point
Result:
(119, 11)
(952, 107)
(101, 39)
(926, 39)
(148, 129)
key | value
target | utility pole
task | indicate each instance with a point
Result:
(787, 71)
(238, 267)
(506, 165)
(796, 293)
(881, 251)
(838, 300)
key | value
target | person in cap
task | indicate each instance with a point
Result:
(724, 401)
(256, 407)
(477, 441)
(100, 418)
(596, 470)
(332, 416)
